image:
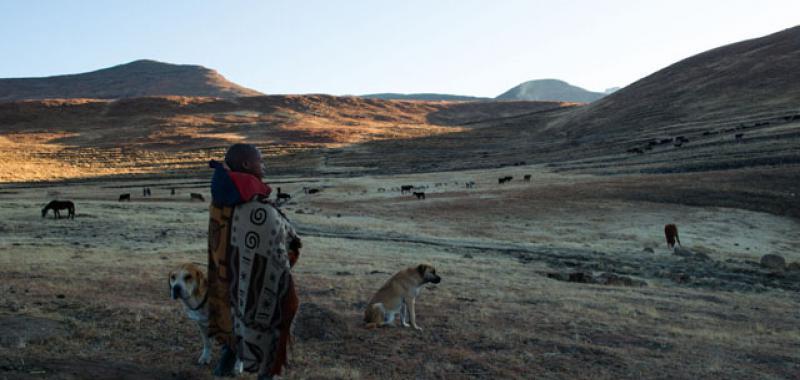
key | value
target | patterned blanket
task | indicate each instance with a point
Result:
(254, 272)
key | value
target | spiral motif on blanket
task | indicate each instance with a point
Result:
(258, 216)
(251, 240)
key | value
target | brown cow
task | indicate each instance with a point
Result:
(671, 232)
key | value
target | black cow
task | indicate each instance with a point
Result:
(125, 197)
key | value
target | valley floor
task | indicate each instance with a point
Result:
(86, 298)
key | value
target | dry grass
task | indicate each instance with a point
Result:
(495, 315)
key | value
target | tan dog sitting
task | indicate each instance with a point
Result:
(188, 283)
(399, 296)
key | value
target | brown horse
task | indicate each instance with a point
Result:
(671, 232)
(59, 205)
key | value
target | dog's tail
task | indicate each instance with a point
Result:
(373, 316)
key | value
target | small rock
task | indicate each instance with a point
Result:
(467, 256)
(648, 250)
(773, 261)
(683, 252)
(60, 296)
(795, 266)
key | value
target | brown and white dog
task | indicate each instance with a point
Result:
(188, 283)
(399, 296)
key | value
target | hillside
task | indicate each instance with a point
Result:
(550, 90)
(70, 138)
(742, 83)
(423, 96)
(131, 80)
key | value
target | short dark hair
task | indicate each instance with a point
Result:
(239, 153)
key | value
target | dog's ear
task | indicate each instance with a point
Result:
(421, 269)
(199, 280)
(202, 284)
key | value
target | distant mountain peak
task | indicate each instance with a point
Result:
(550, 90)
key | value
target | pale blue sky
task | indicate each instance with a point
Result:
(479, 48)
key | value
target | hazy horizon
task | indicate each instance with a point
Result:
(455, 47)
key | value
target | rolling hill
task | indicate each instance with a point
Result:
(424, 96)
(550, 90)
(130, 80)
(736, 85)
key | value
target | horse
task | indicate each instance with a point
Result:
(527, 178)
(125, 197)
(282, 196)
(419, 195)
(59, 205)
(671, 233)
(406, 189)
(197, 196)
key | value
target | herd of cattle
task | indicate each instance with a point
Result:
(738, 138)
(417, 191)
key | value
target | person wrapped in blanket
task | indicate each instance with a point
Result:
(252, 247)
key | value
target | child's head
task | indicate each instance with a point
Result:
(245, 158)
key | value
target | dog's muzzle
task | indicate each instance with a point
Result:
(176, 292)
(436, 280)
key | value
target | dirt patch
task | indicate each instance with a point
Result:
(86, 369)
(315, 322)
(20, 330)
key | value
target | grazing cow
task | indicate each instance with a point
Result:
(739, 137)
(527, 178)
(671, 233)
(59, 205)
(125, 197)
(470, 184)
(505, 179)
(282, 196)
(197, 196)
(406, 189)
(419, 195)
